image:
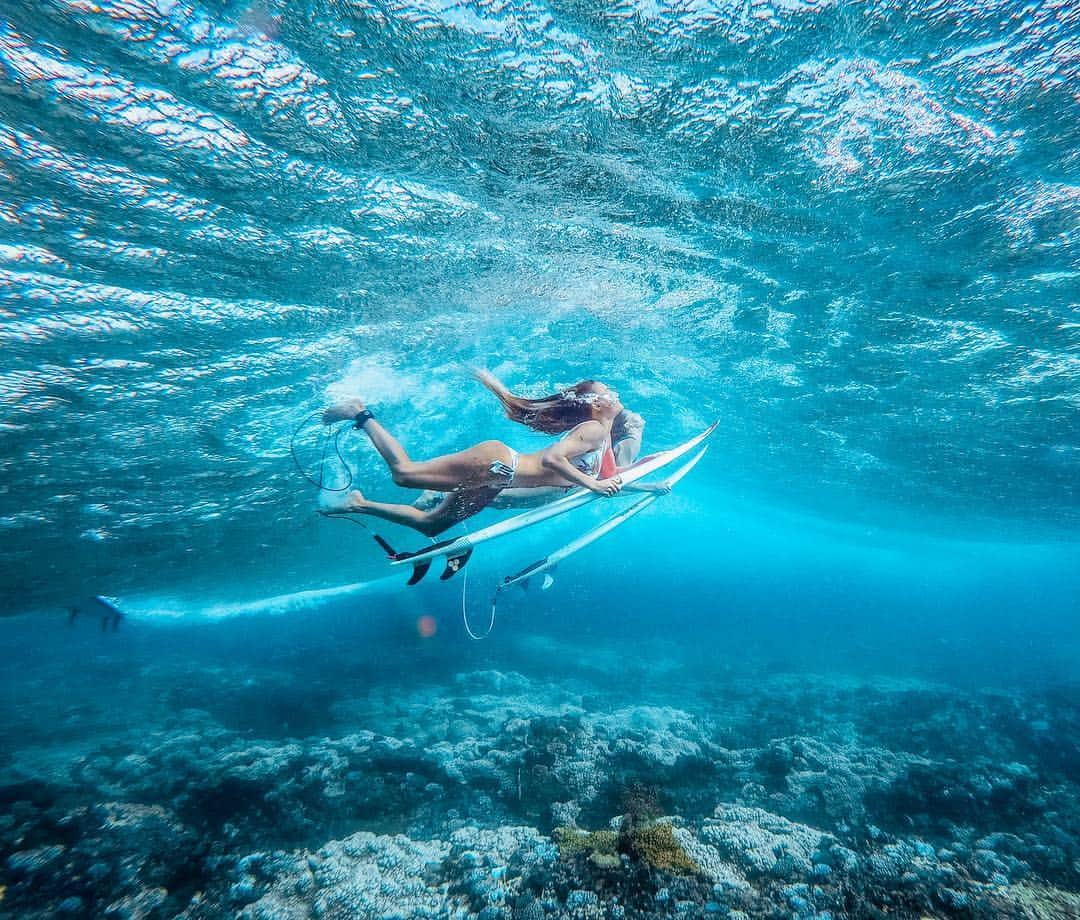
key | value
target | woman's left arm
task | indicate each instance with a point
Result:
(626, 435)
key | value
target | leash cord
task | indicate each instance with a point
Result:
(464, 606)
(331, 438)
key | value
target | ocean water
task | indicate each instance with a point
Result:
(833, 674)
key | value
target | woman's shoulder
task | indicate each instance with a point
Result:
(590, 430)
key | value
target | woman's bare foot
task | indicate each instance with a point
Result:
(331, 503)
(346, 409)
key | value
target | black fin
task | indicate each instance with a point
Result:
(524, 573)
(419, 570)
(455, 564)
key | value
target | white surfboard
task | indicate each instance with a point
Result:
(551, 560)
(458, 550)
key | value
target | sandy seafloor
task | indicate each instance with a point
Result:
(312, 768)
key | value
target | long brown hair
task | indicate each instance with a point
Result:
(552, 414)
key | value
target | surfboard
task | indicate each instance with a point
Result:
(551, 560)
(458, 550)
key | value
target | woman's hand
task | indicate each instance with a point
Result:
(608, 487)
(346, 409)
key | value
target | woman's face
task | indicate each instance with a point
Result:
(606, 403)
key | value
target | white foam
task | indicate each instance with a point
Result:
(166, 608)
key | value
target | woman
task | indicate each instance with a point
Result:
(474, 477)
(626, 435)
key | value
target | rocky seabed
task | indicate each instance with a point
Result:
(506, 797)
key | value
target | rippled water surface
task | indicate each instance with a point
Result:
(847, 230)
(832, 676)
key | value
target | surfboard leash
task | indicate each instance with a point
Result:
(464, 604)
(330, 437)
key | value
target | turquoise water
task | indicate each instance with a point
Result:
(847, 231)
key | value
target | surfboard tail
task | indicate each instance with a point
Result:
(421, 565)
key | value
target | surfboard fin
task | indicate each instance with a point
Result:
(455, 564)
(419, 570)
(547, 582)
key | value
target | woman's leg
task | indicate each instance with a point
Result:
(387, 445)
(457, 506)
(450, 471)
(466, 468)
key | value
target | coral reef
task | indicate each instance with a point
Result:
(572, 840)
(657, 845)
(469, 797)
(761, 843)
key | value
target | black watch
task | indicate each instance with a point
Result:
(362, 418)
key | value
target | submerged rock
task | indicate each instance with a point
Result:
(761, 843)
(1035, 902)
(364, 875)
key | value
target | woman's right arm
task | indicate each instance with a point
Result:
(584, 439)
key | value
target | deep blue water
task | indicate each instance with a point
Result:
(849, 232)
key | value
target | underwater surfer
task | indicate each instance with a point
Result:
(626, 436)
(475, 477)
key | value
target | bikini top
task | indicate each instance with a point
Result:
(598, 463)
